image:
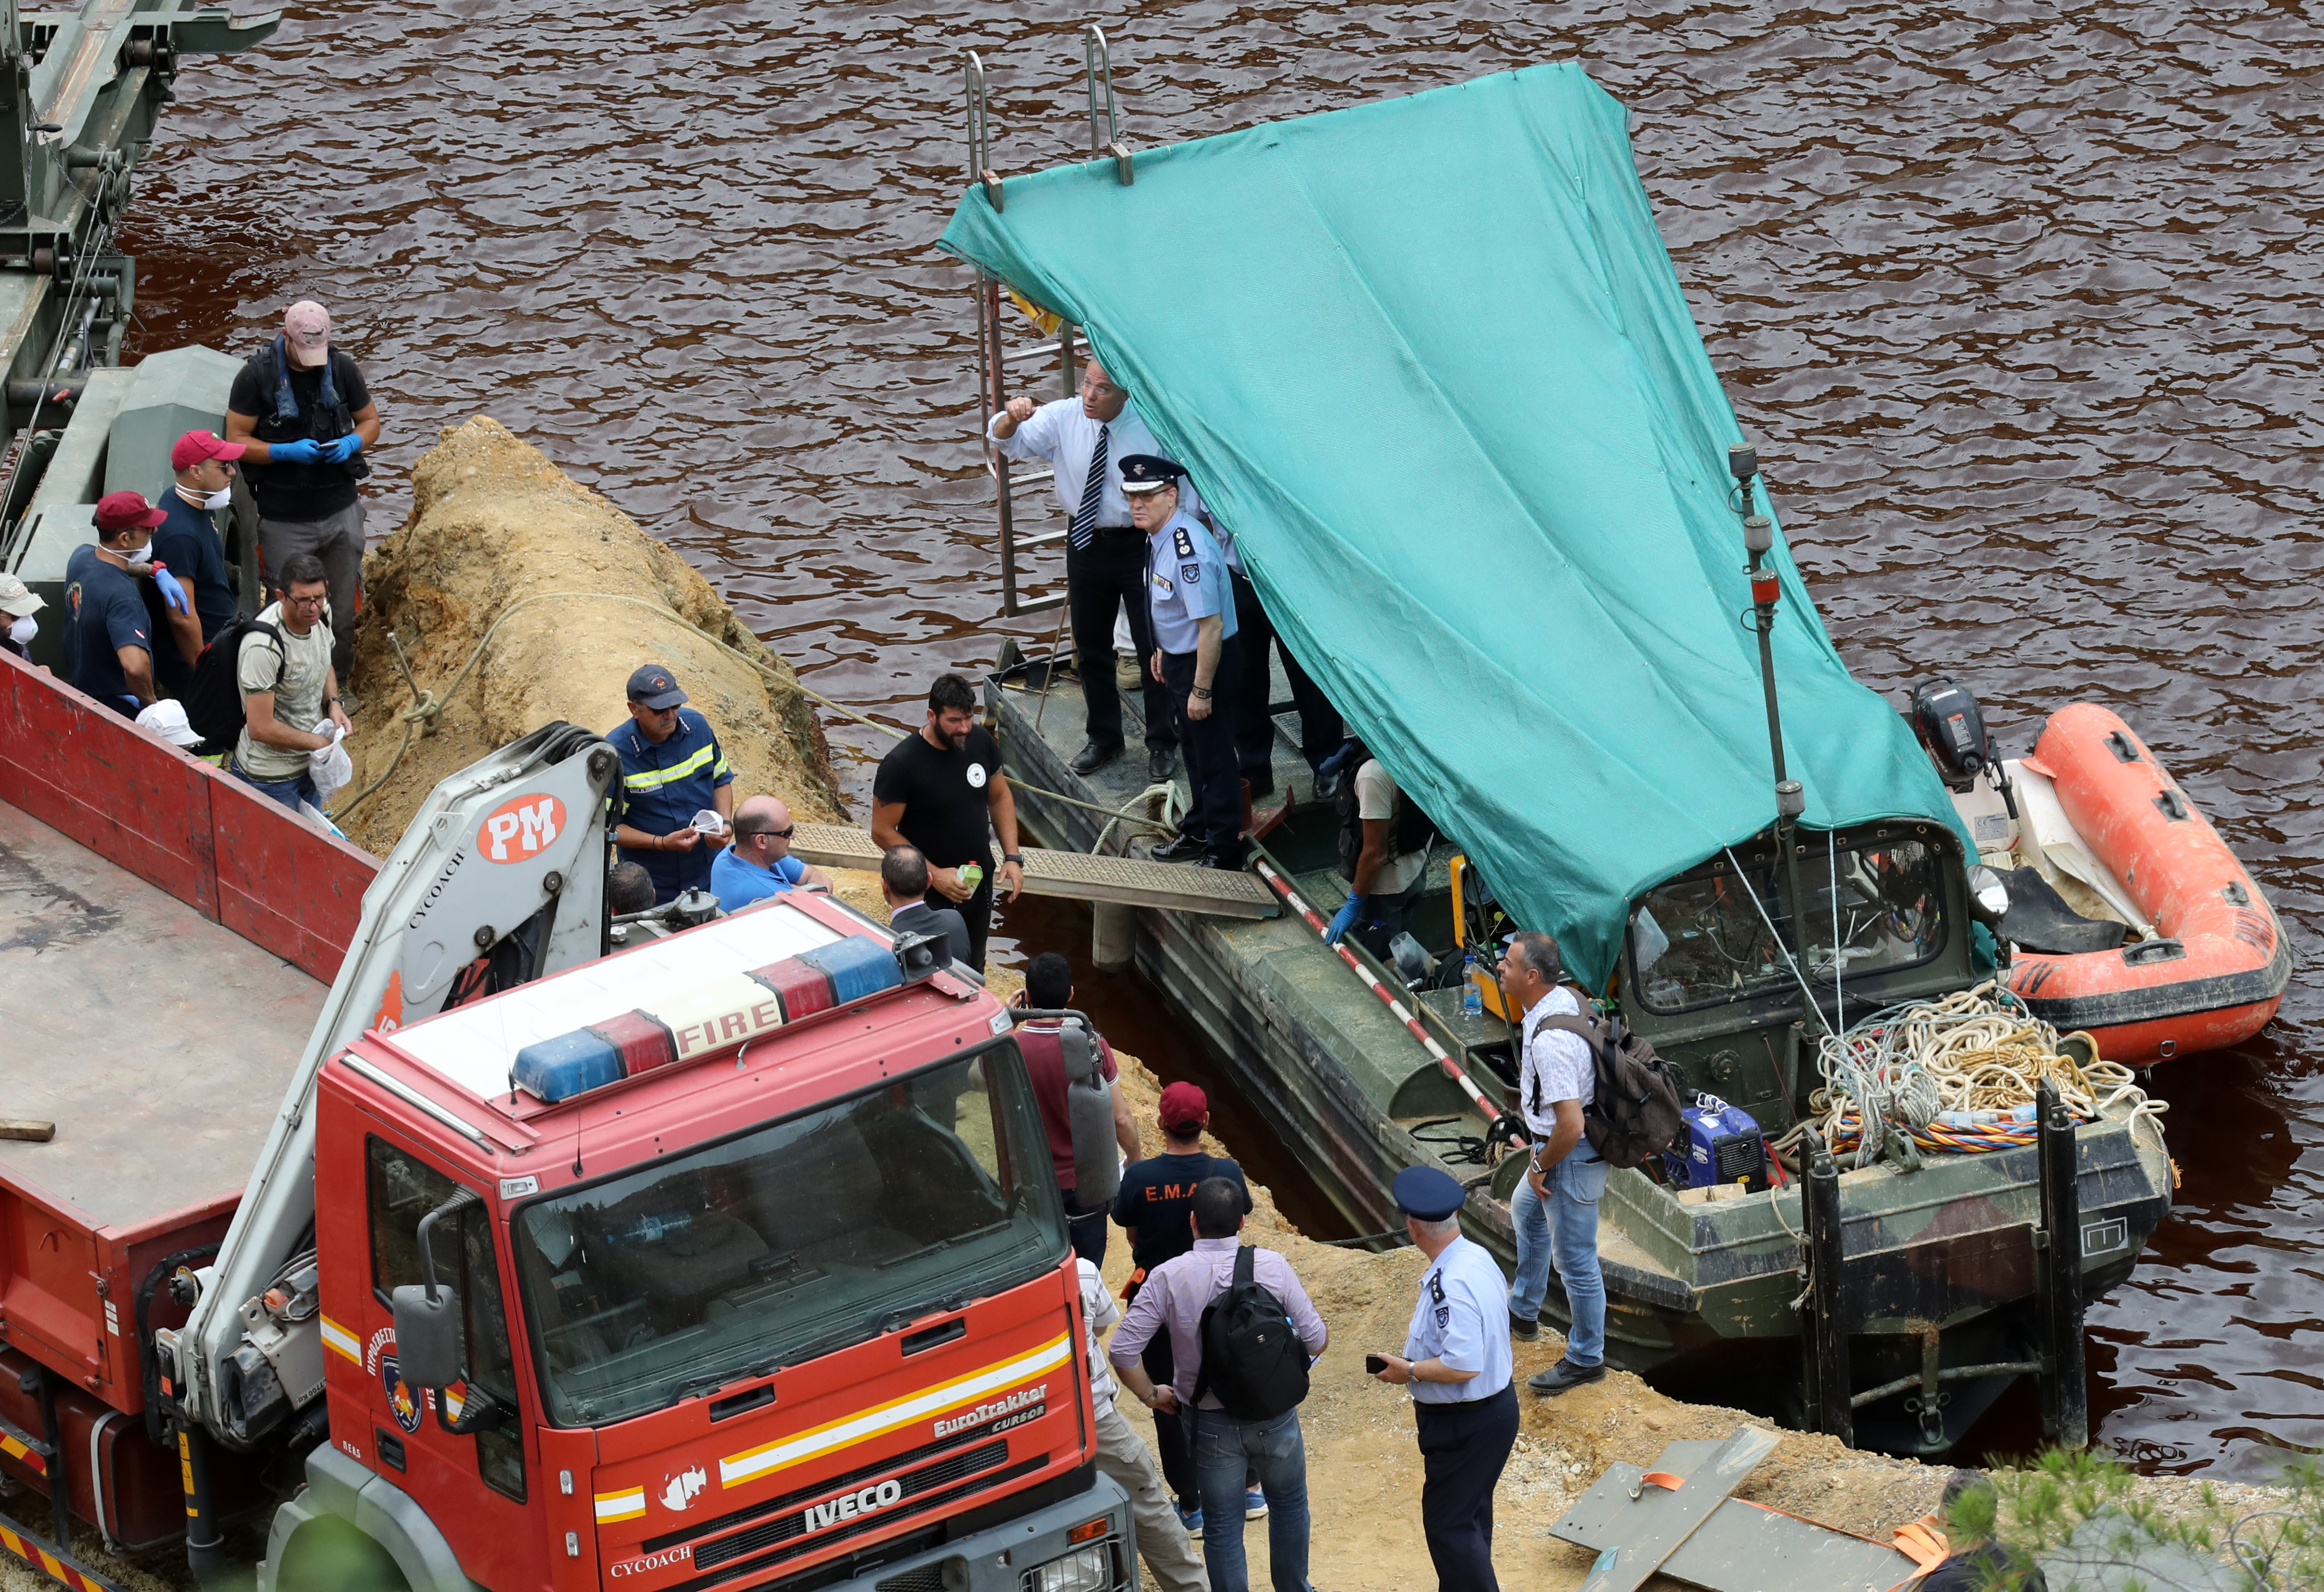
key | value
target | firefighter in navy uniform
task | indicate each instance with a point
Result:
(1194, 623)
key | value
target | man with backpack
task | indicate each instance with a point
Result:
(1555, 1207)
(1041, 1041)
(1242, 1332)
(1383, 840)
(290, 691)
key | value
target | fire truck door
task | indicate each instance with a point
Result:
(488, 1526)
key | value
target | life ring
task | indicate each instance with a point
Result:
(2217, 970)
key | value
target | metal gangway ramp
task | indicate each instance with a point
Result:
(1119, 880)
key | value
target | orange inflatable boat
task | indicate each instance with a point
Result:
(2130, 917)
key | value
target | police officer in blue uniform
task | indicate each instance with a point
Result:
(672, 767)
(1456, 1360)
(1193, 621)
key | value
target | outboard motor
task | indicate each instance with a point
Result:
(1951, 725)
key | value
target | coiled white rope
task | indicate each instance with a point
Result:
(1961, 1076)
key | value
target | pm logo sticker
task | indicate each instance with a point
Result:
(976, 776)
(517, 830)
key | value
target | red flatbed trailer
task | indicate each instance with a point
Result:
(166, 938)
(783, 1300)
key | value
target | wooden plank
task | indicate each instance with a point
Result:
(1074, 875)
(1661, 1520)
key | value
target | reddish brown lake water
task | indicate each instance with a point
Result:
(2023, 306)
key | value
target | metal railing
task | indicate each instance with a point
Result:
(1061, 341)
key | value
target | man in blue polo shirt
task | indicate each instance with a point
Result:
(760, 863)
(672, 767)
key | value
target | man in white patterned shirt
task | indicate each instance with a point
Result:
(1555, 1205)
(1105, 554)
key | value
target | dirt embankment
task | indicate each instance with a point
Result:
(495, 525)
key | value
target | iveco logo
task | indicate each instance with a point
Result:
(848, 1506)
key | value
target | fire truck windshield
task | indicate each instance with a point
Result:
(794, 1239)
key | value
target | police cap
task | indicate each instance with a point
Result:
(1150, 472)
(1426, 1192)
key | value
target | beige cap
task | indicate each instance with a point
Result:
(307, 328)
(17, 598)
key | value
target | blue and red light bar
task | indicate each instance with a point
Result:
(715, 1016)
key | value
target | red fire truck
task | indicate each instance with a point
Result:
(730, 1258)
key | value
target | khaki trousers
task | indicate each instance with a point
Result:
(1162, 1541)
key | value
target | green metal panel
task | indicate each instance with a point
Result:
(170, 394)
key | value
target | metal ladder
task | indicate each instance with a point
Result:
(1062, 342)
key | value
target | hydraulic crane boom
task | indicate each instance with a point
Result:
(499, 879)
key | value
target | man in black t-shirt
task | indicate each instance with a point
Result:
(1156, 1199)
(301, 407)
(942, 792)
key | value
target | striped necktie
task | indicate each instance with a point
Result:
(1083, 529)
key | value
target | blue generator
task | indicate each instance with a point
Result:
(1716, 1143)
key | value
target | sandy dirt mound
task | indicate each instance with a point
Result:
(493, 523)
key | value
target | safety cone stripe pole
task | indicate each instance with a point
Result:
(1291, 898)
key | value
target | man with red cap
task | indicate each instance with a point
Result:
(301, 407)
(110, 620)
(186, 540)
(1155, 1200)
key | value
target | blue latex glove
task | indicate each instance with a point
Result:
(343, 449)
(1344, 920)
(305, 450)
(171, 590)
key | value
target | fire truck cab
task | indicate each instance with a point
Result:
(733, 1259)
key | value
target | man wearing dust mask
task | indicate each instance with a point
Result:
(188, 541)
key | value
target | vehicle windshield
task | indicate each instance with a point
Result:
(1700, 941)
(794, 1239)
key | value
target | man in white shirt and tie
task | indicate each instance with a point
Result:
(1084, 439)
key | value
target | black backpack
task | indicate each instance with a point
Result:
(1634, 1110)
(213, 701)
(1252, 1358)
(1409, 828)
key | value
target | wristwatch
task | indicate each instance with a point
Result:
(1011, 857)
(1201, 691)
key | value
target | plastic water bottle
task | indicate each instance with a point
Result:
(1472, 997)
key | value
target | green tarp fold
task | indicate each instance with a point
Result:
(1429, 360)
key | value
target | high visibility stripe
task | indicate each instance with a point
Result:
(16, 1451)
(336, 1337)
(628, 1505)
(653, 778)
(868, 1423)
(53, 1564)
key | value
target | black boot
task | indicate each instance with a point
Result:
(1094, 755)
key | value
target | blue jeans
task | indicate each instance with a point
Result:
(1564, 1229)
(286, 793)
(1225, 1451)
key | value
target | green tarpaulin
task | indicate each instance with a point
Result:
(1429, 360)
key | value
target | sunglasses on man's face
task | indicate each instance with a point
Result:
(778, 834)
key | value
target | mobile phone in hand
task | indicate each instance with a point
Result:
(1375, 1363)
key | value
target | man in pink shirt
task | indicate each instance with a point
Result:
(1225, 1448)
